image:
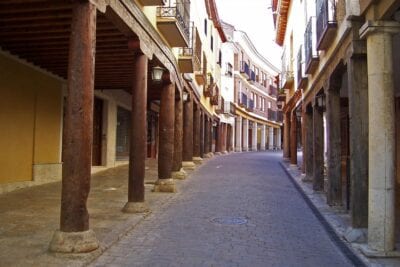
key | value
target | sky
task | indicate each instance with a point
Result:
(255, 18)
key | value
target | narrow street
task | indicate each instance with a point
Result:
(235, 210)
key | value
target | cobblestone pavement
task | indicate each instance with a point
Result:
(281, 230)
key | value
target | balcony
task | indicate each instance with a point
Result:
(209, 86)
(301, 76)
(242, 100)
(326, 23)
(229, 71)
(186, 55)
(287, 78)
(272, 115)
(152, 2)
(214, 100)
(273, 91)
(173, 23)
(245, 70)
(220, 105)
(199, 75)
(310, 47)
(250, 105)
(252, 77)
(279, 116)
(229, 108)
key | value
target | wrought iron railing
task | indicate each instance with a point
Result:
(326, 16)
(179, 11)
(244, 68)
(271, 115)
(250, 105)
(310, 43)
(272, 90)
(279, 116)
(243, 99)
(188, 51)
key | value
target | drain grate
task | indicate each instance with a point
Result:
(230, 220)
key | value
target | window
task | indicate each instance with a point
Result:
(205, 27)
(269, 105)
(212, 43)
(219, 58)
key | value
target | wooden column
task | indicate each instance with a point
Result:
(166, 140)
(286, 136)
(211, 135)
(308, 142)
(317, 148)
(293, 139)
(74, 234)
(202, 136)
(357, 75)
(218, 140)
(138, 137)
(196, 133)
(206, 135)
(333, 121)
(188, 130)
(178, 172)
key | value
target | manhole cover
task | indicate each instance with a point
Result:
(230, 220)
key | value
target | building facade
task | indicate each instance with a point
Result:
(340, 76)
(258, 119)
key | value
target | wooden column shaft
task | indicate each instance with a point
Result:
(78, 124)
(333, 121)
(293, 139)
(318, 149)
(178, 133)
(138, 136)
(196, 131)
(166, 131)
(188, 130)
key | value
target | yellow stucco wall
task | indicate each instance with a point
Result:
(30, 119)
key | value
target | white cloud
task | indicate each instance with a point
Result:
(255, 18)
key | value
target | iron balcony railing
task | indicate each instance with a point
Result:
(243, 99)
(326, 17)
(180, 12)
(188, 51)
(252, 77)
(279, 116)
(229, 108)
(310, 44)
(250, 105)
(301, 76)
(272, 90)
(271, 115)
(244, 68)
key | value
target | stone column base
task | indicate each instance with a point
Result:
(262, 148)
(165, 185)
(356, 235)
(135, 207)
(197, 160)
(179, 175)
(208, 155)
(74, 242)
(225, 152)
(371, 253)
(238, 149)
(254, 148)
(188, 165)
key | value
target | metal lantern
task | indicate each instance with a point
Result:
(156, 73)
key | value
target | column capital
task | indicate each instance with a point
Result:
(379, 27)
